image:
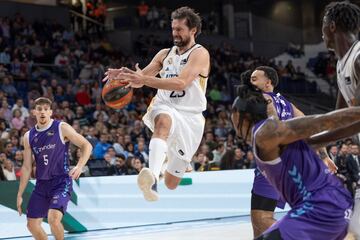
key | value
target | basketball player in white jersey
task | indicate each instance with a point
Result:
(340, 28)
(175, 113)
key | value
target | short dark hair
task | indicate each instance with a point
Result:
(270, 73)
(193, 19)
(346, 15)
(42, 101)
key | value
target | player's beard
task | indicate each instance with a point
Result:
(181, 42)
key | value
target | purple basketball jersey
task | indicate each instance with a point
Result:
(284, 108)
(261, 185)
(318, 199)
(50, 151)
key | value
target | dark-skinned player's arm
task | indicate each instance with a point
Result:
(274, 133)
(327, 137)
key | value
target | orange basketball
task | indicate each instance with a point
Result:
(115, 95)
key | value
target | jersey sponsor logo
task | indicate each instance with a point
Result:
(50, 133)
(171, 75)
(38, 150)
(347, 80)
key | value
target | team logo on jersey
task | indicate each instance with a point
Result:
(50, 133)
(347, 80)
(170, 61)
(183, 62)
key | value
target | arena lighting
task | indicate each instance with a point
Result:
(281, 9)
(38, 2)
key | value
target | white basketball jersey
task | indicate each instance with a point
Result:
(191, 99)
(346, 75)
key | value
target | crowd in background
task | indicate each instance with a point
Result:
(46, 59)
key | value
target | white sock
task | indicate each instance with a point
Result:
(157, 155)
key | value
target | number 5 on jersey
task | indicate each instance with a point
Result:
(46, 160)
(175, 94)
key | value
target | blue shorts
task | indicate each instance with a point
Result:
(49, 194)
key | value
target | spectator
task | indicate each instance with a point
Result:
(141, 153)
(101, 147)
(9, 171)
(17, 121)
(201, 163)
(239, 161)
(20, 105)
(218, 153)
(5, 112)
(333, 151)
(120, 166)
(143, 10)
(8, 87)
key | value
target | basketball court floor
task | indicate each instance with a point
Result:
(231, 228)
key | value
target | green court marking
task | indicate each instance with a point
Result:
(8, 195)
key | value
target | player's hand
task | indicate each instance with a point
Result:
(75, 172)
(19, 201)
(111, 73)
(133, 79)
(331, 165)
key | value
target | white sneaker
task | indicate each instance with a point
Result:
(148, 185)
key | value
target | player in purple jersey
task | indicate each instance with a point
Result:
(48, 143)
(264, 197)
(321, 206)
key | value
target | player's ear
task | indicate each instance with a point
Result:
(332, 26)
(193, 30)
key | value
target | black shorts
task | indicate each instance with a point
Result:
(262, 203)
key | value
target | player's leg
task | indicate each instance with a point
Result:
(175, 170)
(158, 145)
(149, 177)
(262, 213)
(264, 199)
(54, 220)
(37, 210)
(34, 226)
(61, 193)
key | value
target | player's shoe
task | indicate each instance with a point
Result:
(148, 185)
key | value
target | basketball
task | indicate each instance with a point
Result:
(115, 95)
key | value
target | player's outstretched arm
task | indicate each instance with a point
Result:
(70, 134)
(25, 172)
(275, 133)
(152, 69)
(198, 64)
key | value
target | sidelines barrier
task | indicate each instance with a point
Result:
(112, 202)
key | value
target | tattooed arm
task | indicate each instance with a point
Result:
(325, 138)
(274, 133)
